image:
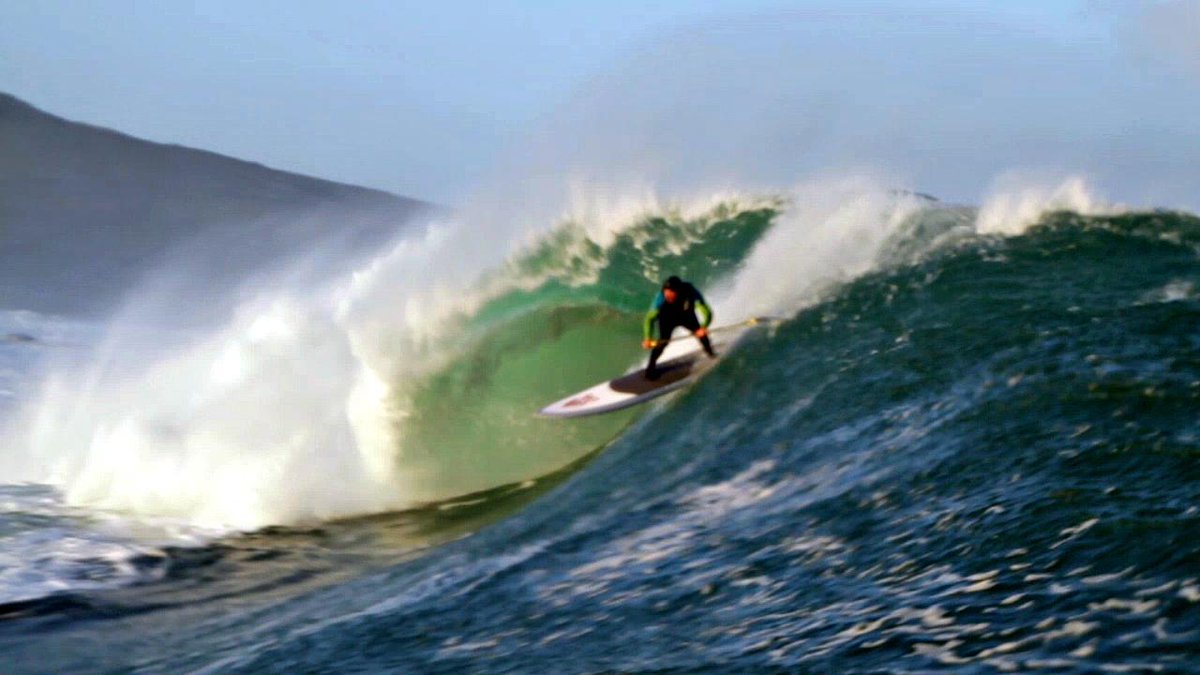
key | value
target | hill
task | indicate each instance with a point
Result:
(85, 212)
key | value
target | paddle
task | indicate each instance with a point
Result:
(755, 321)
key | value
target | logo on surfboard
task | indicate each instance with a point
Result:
(580, 400)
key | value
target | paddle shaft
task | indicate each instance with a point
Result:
(741, 324)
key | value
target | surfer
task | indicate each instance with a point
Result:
(675, 305)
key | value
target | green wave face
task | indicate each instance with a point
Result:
(573, 319)
(572, 316)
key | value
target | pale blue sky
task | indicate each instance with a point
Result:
(424, 99)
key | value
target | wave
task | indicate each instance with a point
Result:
(984, 458)
(414, 380)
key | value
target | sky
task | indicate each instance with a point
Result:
(430, 99)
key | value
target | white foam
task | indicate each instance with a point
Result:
(833, 230)
(1174, 291)
(1018, 200)
(58, 551)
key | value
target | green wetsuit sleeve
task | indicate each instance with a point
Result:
(706, 313)
(648, 324)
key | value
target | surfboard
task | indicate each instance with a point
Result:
(634, 387)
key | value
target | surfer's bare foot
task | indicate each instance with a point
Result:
(651, 374)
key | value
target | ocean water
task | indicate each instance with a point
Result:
(972, 443)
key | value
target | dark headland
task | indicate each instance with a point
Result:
(86, 212)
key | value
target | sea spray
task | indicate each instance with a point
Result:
(414, 379)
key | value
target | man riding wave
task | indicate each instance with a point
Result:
(675, 305)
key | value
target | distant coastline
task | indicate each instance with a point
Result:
(86, 211)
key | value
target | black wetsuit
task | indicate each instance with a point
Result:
(672, 315)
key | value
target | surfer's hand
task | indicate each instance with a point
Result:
(701, 332)
(647, 344)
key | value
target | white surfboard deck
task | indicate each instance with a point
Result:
(688, 363)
